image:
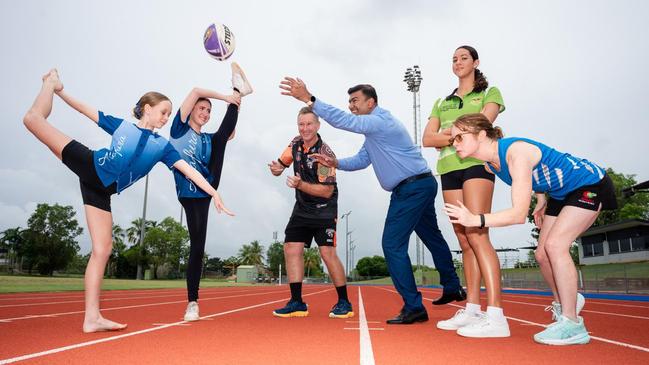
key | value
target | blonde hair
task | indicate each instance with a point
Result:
(476, 122)
(308, 110)
(152, 98)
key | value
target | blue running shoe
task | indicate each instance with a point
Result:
(292, 309)
(342, 309)
(564, 332)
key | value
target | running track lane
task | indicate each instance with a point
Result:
(252, 335)
(248, 336)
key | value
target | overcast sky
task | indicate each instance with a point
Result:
(573, 74)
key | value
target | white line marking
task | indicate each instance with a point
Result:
(367, 355)
(369, 329)
(130, 306)
(152, 329)
(584, 310)
(623, 344)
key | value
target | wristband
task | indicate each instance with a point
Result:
(482, 222)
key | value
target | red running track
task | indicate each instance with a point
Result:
(237, 327)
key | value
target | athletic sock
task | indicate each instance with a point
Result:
(296, 291)
(342, 292)
(496, 313)
(472, 308)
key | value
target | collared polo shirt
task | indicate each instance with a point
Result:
(448, 109)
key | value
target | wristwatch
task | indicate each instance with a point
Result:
(311, 101)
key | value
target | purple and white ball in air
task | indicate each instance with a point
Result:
(219, 41)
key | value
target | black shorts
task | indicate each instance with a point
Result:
(455, 179)
(300, 229)
(588, 197)
(79, 159)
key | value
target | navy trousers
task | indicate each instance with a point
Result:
(412, 208)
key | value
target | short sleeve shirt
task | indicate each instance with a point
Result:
(448, 109)
(312, 172)
(132, 154)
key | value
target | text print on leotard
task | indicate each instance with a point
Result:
(114, 151)
(191, 153)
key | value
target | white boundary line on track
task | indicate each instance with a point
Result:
(32, 316)
(623, 344)
(117, 293)
(113, 338)
(585, 310)
(597, 301)
(367, 355)
(143, 296)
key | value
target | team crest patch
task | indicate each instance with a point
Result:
(330, 234)
(476, 101)
(587, 197)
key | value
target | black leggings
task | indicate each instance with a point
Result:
(197, 209)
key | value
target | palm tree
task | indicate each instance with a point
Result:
(231, 263)
(252, 254)
(311, 260)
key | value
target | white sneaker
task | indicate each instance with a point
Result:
(239, 80)
(556, 307)
(460, 319)
(485, 327)
(191, 313)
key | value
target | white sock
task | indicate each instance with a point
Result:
(472, 308)
(496, 313)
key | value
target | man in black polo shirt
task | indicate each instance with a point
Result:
(314, 215)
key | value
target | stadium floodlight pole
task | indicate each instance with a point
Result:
(352, 248)
(413, 78)
(346, 215)
(140, 275)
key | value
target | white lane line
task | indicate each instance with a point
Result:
(547, 298)
(367, 355)
(107, 297)
(7, 320)
(584, 310)
(618, 343)
(152, 329)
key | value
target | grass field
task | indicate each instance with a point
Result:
(20, 284)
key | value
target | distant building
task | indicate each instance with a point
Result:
(247, 273)
(625, 241)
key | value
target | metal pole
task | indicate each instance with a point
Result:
(181, 214)
(346, 215)
(140, 274)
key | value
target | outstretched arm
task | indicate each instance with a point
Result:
(79, 106)
(521, 159)
(199, 180)
(363, 124)
(197, 93)
(357, 162)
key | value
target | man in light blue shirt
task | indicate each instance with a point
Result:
(401, 169)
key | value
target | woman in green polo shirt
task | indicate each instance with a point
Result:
(466, 180)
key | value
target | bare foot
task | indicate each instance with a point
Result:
(52, 78)
(101, 325)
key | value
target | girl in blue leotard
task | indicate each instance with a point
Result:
(577, 188)
(205, 152)
(134, 150)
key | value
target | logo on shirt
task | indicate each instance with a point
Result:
(330, 234)
(114, 152)
(588, 197)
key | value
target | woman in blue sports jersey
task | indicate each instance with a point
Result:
(577, 188)
(204, 152)
(134, 150)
